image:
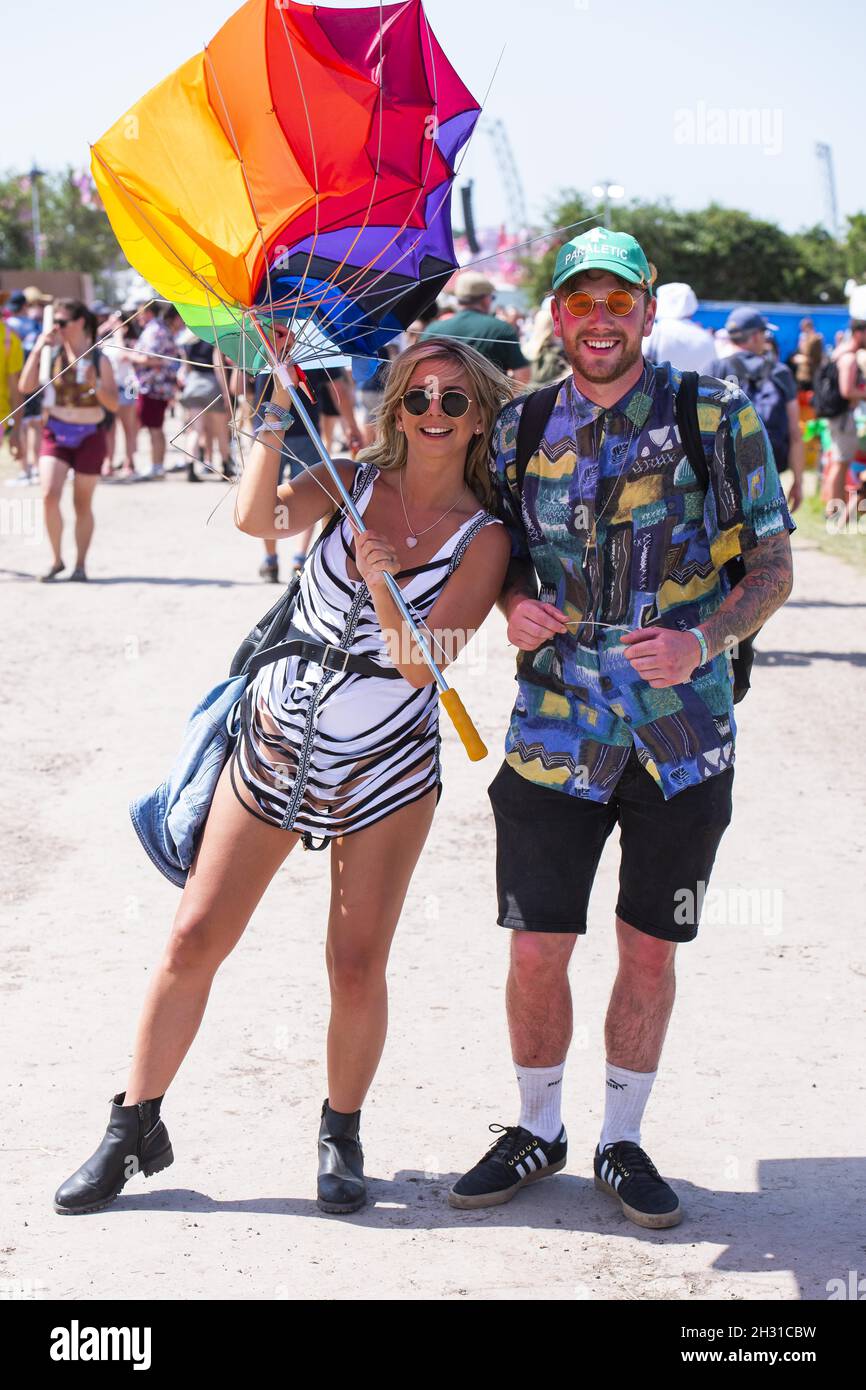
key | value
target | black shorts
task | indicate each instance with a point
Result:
(549, 843)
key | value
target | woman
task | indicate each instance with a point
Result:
(73, 428)
(348, 755)
(123, 334)
(205, 400)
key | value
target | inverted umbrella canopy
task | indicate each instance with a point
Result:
(299, 168)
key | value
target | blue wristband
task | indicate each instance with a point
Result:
(273, 417)
(705, 656)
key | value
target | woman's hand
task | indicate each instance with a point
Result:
(47, 339)
(375, 557)
(284, 341)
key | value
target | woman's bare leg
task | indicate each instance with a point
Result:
(82, 500)
(130, 433)
(110, 440)
(216, 906)
(220, 422)
(370, 873)
(52, 475)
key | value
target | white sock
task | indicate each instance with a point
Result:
(626, 1095)
(541, 1100)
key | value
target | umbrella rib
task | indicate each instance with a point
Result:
(376, 173)
(316, 188)
(346, 288)
(478, 260)
(421, 187)
(208, 288)
(247, 184)
(447, 186)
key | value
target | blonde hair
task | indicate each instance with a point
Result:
(490, 390)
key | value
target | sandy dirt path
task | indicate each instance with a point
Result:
(757, 1116)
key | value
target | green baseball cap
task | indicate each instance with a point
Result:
(601, 249)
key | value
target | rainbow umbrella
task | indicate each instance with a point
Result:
(300, 168)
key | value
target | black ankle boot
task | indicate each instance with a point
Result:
(136, 1140)
(191, 475)
(340, 1186)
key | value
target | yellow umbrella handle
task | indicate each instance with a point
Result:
(469, 735)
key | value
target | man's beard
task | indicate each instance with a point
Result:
(602, 372)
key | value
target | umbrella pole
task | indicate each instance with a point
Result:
(451, 701)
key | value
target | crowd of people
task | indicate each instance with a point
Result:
(80, 388)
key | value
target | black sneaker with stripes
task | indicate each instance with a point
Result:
(513, 1160)
(624, 1171)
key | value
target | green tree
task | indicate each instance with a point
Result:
(820, 273)
(76, 233)
(16, 240)
(566, 218)
(855, 247)
(723, 253)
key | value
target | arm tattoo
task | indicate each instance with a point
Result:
(764, 588)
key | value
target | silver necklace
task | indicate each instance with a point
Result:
(412, 538)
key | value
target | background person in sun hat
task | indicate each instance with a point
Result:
(624, 710)
(676, 338)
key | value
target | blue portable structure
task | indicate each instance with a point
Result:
(827, 318)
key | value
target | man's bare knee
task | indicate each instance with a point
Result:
(643, 954)
(540, 956)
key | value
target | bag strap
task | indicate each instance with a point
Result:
(686, 411)
(534, 416)
(329, 656)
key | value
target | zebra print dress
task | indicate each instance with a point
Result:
(329, 752)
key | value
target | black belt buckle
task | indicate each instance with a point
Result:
(327, 661)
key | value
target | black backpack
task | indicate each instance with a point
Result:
(827, 400)
(530, 431)
(769, 401)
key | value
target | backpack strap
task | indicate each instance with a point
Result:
(686, 411)
(737, 364)
(534, 416)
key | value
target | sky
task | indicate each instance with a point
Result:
(651, 96)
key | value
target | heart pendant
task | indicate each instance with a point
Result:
(411, 541)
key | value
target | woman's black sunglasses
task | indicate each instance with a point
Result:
(453, 402)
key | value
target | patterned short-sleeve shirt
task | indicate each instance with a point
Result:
(622, 534)
(158, 380)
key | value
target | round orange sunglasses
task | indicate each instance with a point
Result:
(618, 302)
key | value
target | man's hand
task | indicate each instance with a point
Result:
(530, 623)
(795, 495)
(661, 656)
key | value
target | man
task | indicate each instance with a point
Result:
(480, 328)
(808, 357)
(770, 386)
(676, 338)
(624, 709)
(843, 427)
(156, 363)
